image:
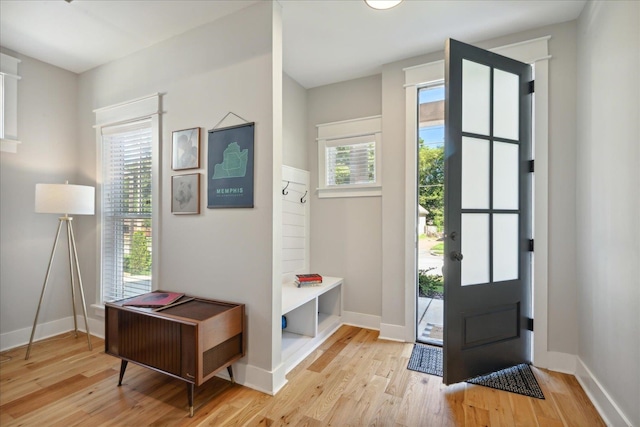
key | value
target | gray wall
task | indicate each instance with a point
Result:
(203, 75)
(295, 147)
(608, 199)
(47, 128)
(328, 104)
(346, 236)
(593, 152)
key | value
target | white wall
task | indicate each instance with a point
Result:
(295, 147)
(346, 236)
(608, 206)
(562, 285)
(47, 129)
(203, 75)
(378, 267)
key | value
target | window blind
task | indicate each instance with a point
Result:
(351, 161)
(1, 105)
(126, 210)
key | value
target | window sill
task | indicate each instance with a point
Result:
(98, 310)
(350, 191)
(9, 145)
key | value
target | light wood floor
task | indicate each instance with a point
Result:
(353, 379)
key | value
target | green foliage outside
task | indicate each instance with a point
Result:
(140, 257)
(430, 285)
(438, 249)
(431, 183)
(344, 163)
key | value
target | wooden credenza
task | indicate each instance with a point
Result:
(191, 341)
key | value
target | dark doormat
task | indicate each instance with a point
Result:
(517, 379)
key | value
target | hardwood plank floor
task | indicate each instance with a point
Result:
(352, 379)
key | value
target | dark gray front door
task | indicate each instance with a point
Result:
(487, 212)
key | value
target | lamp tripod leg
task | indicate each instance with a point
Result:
(71, 275)
(44, 286)
(84, 305)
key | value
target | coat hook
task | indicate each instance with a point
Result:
(302, 200)
(284, 193)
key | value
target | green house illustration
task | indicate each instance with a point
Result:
(234, 163)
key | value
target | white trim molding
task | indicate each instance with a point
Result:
(600, 397)
(344, 133)
(367, 321)
(146, 107)
(535, 52)
(9, 78)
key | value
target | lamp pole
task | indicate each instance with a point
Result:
(49, 198)
(73, 261)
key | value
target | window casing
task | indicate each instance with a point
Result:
(128, 137)
(349, 158)
(9, 103)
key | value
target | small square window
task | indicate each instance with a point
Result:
(349, 158)
(351, 163)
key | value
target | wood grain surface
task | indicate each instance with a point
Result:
(352, 379)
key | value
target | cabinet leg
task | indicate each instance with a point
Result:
(123, 367)
(190, 398)
(230, 371)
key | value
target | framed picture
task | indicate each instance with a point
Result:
(185, 194)
(230, 167)
(186, 149)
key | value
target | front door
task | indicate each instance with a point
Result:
(487, 212)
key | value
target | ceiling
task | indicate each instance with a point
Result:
(324, 41)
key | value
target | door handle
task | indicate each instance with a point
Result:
(455, 256)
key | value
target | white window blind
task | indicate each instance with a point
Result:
(126, 209)
(351, 161)
(9, 79)
(1, 105)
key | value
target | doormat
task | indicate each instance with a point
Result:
(426, 359)
(516, 379)
(432, 332)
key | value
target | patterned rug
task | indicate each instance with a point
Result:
(517, 379)
(426, 359)
(432, 332)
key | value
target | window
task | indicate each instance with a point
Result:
(349, 158)
(126, 210)
(9, 103)
(2, 105)
(128, 197)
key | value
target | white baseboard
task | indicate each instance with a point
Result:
(367, 321)
(268, 382)
(388, 331)
(561, 362)
(392, 332)
(21, 337)
(601, 399)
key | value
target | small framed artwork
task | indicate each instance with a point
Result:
(186, 149)
(185, 194)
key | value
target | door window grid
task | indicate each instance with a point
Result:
(486, 94)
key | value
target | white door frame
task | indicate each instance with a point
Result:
(536, 53)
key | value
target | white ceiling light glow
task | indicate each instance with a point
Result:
(382, 4)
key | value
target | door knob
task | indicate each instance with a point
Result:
(455, 256)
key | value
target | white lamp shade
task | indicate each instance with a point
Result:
(65, 199)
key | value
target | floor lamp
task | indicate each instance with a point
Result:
(67, 200)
